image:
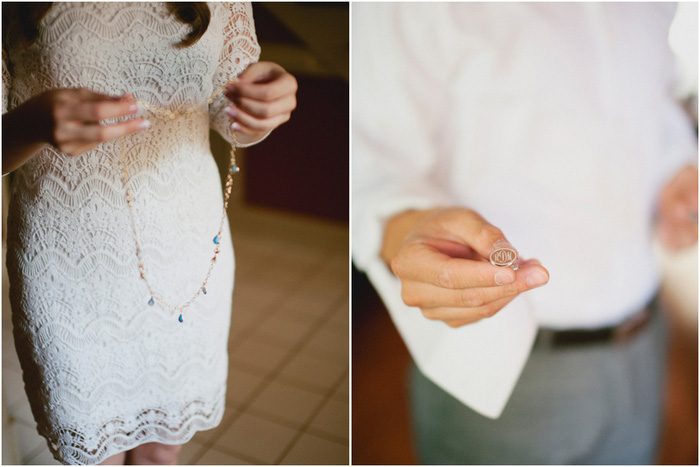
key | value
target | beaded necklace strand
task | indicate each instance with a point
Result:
(129, 196)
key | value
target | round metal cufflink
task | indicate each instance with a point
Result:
(504, 257)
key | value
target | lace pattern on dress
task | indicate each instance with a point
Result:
(103, 370)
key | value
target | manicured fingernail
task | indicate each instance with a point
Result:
(144, 125)
(504, 277)
(133, 108)
(536, 278)
(230, 111)
(235, 126)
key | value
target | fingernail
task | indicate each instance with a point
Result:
(502, 244)
(504, 277)
(144, 124)
(133, 108)
(536, 278)
(235, 126)
(230, 111)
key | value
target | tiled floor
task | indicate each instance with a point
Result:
(288, 391)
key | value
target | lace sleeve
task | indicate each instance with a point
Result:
(240, 49)
(6, 82)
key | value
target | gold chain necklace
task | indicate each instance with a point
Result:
(129, 195)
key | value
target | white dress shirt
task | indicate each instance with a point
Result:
(553, 121)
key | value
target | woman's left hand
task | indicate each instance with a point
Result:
(262, 99)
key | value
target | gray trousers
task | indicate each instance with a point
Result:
(590, 404)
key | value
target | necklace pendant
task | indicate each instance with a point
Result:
(216, 240)
(204, 290)
(151, 302)
(180, 318)
(235, 169)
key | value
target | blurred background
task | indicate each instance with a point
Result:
(381, 427)
(288, 390)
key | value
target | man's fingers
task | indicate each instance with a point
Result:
(424, 295)
(424, 263)
(456, 317)
(473, 230)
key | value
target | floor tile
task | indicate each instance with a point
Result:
(241, 385)
(330, 343)
(21, 411)
(43, 457)
(342, 392)
(190, 452)
(214, 456)
(10, 359)
(256, 356)
(206, 437)
(292, 405)
(313, 450)
(332, 420)
(255, 437)
(309, 369)
(29, 443)
(284, 330)
(12, 387)
(260, 298)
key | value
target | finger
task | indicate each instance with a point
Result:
(76, 148)
(262, 109)
(425, 263)
(260, 71)
(101, 133)
(279, 86)
(256, 124)
(89, 95)
(238, 128)
(429, 296)
(455, 317)
(478, 233)
(97, 110)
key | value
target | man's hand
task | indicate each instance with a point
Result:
(677, 221)
(441, 257)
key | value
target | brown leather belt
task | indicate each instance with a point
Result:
(624, 331)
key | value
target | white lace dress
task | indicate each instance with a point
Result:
(104, 370)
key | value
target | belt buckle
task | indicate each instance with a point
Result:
(631, 326)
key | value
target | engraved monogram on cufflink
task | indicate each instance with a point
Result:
(504, 257)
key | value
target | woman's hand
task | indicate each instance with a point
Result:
(263, 98)
(678, 210)
(441, 257)
(68, 119)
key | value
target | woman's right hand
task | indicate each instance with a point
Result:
(441, 257)
(69, 119)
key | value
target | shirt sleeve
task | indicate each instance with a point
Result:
(394, 160)
(402, 62)
(240, 49)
